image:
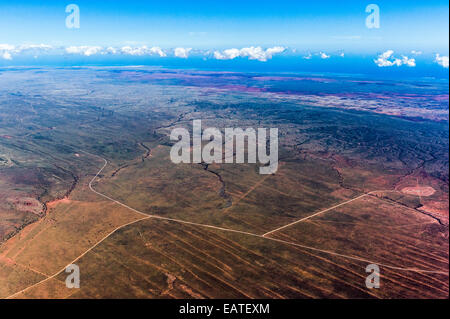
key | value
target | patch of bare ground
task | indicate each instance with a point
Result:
(419, 190)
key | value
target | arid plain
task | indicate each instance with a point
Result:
(86, 178)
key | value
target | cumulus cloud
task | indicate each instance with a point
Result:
(128, 50)
(253, 53)
(182, 52)
(275, 50)
(131, 51)
(143, 50)
(257, 53)
(6, 47)
(387, 58)
(111, 50)
(6, 55)
(227, 54)
(157, 50)
(84, 49)
(408, 61)
(6, 50)
(441, 60)
(323, 55)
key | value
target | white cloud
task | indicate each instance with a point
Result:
(6, 47)
(274, 50)
(323, 55)
(137, 51)
(441, 60)
(111, 50)
(157, 50)
(6, 50)
(383, 59)
(387, 59)
(84, 49)
(132, 51)
(253, 53)
(182, 52)
(228, 54)
(6, 55)
(143, 50)
(257, 53)
(407, 61)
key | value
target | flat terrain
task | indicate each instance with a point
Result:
(86, 178)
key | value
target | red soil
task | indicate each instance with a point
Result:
(419, 190)
(53, 203)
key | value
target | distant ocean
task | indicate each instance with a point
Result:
(355, 65)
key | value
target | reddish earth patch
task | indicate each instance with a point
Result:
(435, 207)
(7, 261)
(26, 204)
(419, 190)
(53, 203)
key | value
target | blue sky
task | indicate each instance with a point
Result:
(313, 25)
(322, 36)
